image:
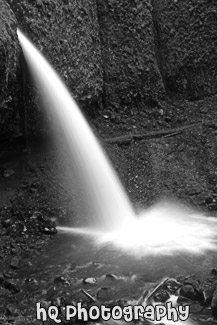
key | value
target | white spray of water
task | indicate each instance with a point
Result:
(164, 229)
(104, 199)
(160, 230)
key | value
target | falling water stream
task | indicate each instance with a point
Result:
(164, 230)
(103, 198)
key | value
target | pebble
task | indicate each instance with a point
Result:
(90, 281)
(8, 172)
(62, 280)
(15, 261)
(112, 276)
(31, 281)
(7, 222)
(49, 231)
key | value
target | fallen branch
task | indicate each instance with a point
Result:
(147, 295)
(126, 139)
(89, 296)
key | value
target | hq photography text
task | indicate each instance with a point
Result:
(127, 313)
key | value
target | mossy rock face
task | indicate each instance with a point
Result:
(131, 73)
(9, 69)
(67, 33)
(188, 35)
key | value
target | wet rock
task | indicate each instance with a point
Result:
(214, 271)
(112, 276)
(90, 281)
(209, 200)
(60, 302)
(180, 278)
(33, 190)
(48, 230)
(8, 173)
(62, 280)
(161, 296)
(208, 294)
(188, 291)
(7, 222)
(184, 301)
(31, 281)
(197, 290)
(172, 285)
(45, 304)
(97, 264)
(214, 303)
(15, 262)
(46, 226)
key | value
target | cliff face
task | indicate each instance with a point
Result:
(131, 74)
(188, 38)
(9, 67)
(114, 53)
(67, 33)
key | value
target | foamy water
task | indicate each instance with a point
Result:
(164, 229)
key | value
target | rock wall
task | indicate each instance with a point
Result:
(131, 73)
(187, 31)
(9, 68)
(67, 33)
(113, 53)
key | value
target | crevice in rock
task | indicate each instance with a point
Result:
(158, 43)
(103, 102)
